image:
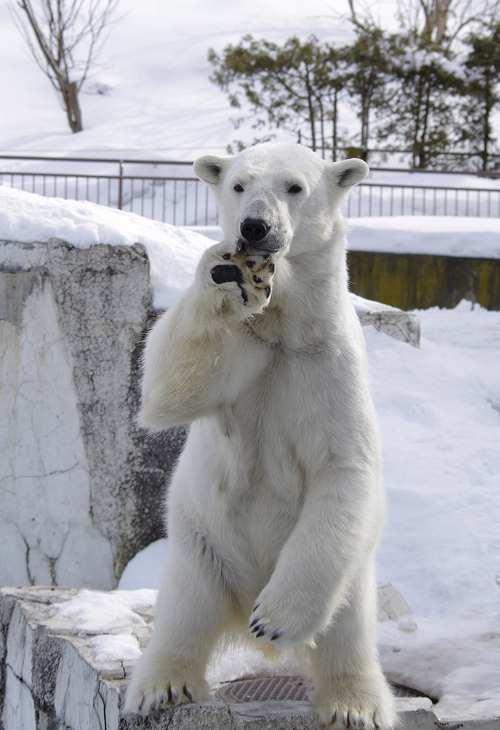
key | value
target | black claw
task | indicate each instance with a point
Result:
(268, 292)
(256, 279)
(256, 628)
(272, 267)
(255, 607)
(261, 633)
(276, 636)
(226, 256)
(250, 264)
(254, 622)
(187, 693)
(334, 716)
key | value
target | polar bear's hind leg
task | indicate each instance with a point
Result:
(350, 689)
(194, 607)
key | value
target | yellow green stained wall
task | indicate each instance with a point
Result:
(418, 281)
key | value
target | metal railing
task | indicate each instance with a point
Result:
(181, 199)
(176, 199)
(382, 199)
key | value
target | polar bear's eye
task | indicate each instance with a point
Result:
(295, 189)
(238, 188)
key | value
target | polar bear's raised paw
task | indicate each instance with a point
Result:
(251, 273)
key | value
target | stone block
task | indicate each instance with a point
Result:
(81, 482)
(400, 325)
(416, 713)
(391, 604)
(273, 716)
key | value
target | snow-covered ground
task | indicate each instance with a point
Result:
(149, 94)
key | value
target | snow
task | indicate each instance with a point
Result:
(107, 613)
(146, 570)
(173, 252)
(108, 646)
(155, 70)
(434, 235)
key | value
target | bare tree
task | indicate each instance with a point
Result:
(64, 37)
(441, 22)
(437, 23)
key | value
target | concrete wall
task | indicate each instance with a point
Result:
(416, 281)
(80, 483)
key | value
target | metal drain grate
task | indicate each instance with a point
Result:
(260, 689)
(264, 688)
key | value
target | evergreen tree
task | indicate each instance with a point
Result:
(367, 76)
(296, 85)
(422, 106)
(481, 95)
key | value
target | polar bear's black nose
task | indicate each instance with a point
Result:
(254, 229)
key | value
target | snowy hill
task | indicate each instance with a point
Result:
(155, 67)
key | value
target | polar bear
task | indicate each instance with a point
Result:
(276, 505)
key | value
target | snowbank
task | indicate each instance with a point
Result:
(173, 252)
(435, 235)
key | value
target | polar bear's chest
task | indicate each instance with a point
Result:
(259, 436)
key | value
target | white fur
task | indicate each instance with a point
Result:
(276, 506)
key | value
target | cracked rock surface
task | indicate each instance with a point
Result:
(79, 482)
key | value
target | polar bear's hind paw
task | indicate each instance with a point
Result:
(360, 703)
(343, 719)
(159, 696)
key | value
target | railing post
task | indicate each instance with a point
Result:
(120, 181)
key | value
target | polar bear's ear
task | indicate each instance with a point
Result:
(347, 173)
(211, 168)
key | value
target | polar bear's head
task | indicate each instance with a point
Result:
(273, 196)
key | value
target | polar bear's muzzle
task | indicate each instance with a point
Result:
(258, 238)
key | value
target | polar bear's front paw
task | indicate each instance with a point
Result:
(252, 275)
(361, 703)
(147, 697)
(281, 624)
